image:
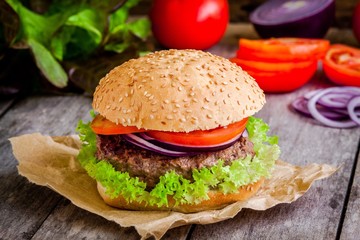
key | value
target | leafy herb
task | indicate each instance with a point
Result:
(69, 33)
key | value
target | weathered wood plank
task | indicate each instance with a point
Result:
(351, 224)
(5, 105)
(70, 222)
(24, 206)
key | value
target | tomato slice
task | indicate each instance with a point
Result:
(342, 65)
(285, 77)
(201, 138)
(101, 125)
(282, 49)
(250, 65)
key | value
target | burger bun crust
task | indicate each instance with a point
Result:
(178, 91)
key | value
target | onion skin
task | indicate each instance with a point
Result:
(312, 26)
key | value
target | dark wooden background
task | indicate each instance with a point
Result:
(240, 9)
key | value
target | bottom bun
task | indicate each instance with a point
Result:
(216, 200)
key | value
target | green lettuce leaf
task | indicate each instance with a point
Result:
(227, 179)
(47, 64)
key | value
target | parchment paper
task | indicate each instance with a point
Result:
(51, 162)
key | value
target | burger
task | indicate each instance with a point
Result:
(173, 130)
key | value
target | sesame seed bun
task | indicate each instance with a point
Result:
(216, 200)
(179, 91)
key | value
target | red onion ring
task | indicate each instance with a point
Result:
(142, 143)
(353, 104)
(300, 105)
(175, 150)
(334, 107)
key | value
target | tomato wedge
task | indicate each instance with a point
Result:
(201, 138)
(342, 65)
(278, 77)
(282, 49)
(101, 125)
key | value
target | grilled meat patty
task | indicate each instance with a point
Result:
(149, 166)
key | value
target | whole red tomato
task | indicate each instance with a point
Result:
(183, 24)
(356, 22)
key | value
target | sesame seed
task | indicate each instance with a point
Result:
(169, 117)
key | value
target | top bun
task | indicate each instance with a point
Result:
(178, 91)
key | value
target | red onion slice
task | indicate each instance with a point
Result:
(334, 107)
(353, 104)
(140, 142)
(300, 105)
(291, 18)
(175, 150)
(335, 100)
(318, 116)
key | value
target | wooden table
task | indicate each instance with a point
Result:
(329, 210)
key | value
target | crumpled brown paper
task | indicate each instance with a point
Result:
(51, 162)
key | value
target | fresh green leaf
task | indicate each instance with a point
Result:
(36, 26)
(118, 20)
(140, 28)
(80, 36)
(117, 47)
(89, 20)
(227, 179)
(47, 64)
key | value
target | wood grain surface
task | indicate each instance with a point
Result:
(329, 210)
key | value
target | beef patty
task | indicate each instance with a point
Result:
(149, 166)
